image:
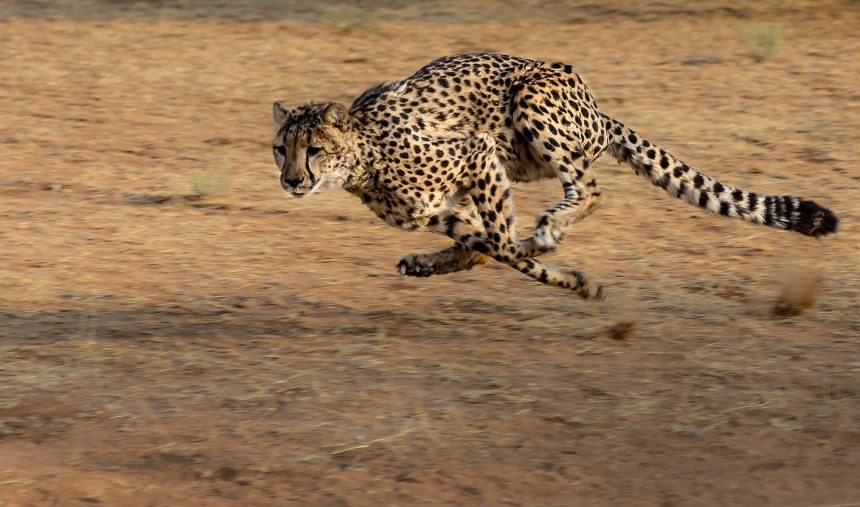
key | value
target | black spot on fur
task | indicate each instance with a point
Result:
(451, 221)
(369, 97)
(481, 247)
(647, 168)
(752, 199)
(768, 213)
(788, 204)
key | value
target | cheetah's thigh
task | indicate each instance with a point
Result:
(563, 135)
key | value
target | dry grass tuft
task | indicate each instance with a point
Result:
(798, 292)
(622, 330)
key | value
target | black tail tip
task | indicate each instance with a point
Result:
(814, 220)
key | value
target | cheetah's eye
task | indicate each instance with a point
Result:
(313, 150)
(280, 150)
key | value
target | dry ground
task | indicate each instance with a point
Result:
(176, 331)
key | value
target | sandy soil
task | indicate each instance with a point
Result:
(174, 330)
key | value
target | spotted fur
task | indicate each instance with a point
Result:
(680, 180)
(438, 151)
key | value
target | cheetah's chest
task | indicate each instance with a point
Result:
(406, 207)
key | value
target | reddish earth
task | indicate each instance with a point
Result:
(174, 330)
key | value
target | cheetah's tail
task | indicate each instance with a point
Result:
(684, 182)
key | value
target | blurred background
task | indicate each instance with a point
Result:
(175, 330)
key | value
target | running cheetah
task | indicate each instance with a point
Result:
(438, 151)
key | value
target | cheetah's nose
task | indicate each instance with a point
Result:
(294, 182)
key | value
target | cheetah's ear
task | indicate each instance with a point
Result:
(280, 114)
(336, 114)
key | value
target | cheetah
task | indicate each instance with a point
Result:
(439, 150)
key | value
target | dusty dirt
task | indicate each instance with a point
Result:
(174, 330)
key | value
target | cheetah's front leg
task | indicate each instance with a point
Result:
(448, 260)
(463, 226)
(488, 187)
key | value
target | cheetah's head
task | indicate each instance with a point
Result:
(312, 147)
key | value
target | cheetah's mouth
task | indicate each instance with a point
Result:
(301, 191)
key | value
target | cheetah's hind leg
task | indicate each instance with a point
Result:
(448, 260)
(561, 277)
(565, 138)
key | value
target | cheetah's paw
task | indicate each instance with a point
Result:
(547, 235)
(415, 265)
